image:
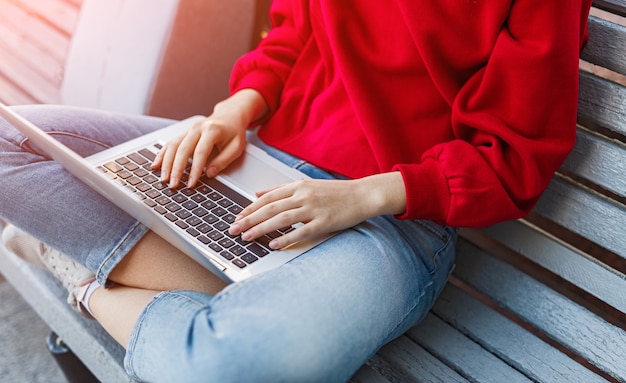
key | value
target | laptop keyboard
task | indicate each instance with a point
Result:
(204, 212)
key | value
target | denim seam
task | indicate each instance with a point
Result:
(102, 279)
(443, 237)
(67, 134)
(407, 313)
(132, 342)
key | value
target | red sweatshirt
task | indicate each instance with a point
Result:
(473, 101)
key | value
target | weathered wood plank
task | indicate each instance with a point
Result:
(367, 375)
(584, 272)
(12, 95)
(616, 6)
(606, 37)
(577, 329)
(586, 213)
(32, 28)
(36, 86)
(508, 341)
(601, 103)
(59, 14)
(593, 152)
(465, 356)
(404, 361)
(31, 55)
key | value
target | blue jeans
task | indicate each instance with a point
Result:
(317, 318)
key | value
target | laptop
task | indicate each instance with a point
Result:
(196, 220)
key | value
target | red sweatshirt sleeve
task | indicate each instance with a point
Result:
(513, 119)
(267, 68)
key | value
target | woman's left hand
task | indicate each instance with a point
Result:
(323, 206)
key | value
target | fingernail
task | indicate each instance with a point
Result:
(246, 236)
(211, 172)
(173, 182)
(191, 181)
(234, 229)
(274, 244)
(238, 217)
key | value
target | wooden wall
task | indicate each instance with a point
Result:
(34, 41)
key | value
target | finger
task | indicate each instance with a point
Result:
(168, 154)
(224, 157)
(182, 156)
(270, 218)
(266, 197)
(204, 150)
(290, 238)
(158, 160)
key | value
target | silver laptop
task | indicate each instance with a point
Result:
(194, 220)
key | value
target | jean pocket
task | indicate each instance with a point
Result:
(432, 243)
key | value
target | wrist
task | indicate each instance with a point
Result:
(384, 193)
(248, 103)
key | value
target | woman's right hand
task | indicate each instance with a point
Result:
(212, 143)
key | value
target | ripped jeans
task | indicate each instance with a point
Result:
(316, 319)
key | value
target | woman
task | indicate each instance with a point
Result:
(414, 117)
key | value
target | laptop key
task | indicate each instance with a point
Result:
(227, 255)
(237, 250)
(204, 228)
(193, 232)
(137, 158)
(258, 250)
(221, 226)
(249, 258)
(182, 224)
(200, 212)
(173, 207)
(183, 214)
(198, 198)
(215, 247)
(148, 154)
(113, 167)
(226, 243)
(194, 221)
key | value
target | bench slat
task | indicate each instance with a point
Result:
(402, 360)
(601, 103)
(57, 13)
(593, 152)
(563, 321)
(37, 87)
(585, 213)
(615, 6)
(31, 55)
(606, 36)
(462, 354)
(367, 375)
(33, 29)
(510, 342)
(12, 95)
(582, 271)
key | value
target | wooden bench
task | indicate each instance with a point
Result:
(541, 299)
